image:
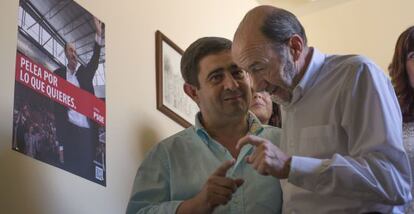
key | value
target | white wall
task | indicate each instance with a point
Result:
(133, 123)
(368, 27)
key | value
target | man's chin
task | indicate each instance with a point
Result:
(236, 110)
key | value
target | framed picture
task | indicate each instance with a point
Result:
(171, 98)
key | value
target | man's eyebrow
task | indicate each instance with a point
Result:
(215, 71)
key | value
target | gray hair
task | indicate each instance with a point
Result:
(280, 25)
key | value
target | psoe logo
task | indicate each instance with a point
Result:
(98, 117)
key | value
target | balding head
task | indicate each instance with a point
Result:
(270, 44)
(71, 55)
(269, 24)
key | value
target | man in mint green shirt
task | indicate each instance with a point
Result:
(199, 170)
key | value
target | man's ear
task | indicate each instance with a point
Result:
(191, 91)
(296, 45)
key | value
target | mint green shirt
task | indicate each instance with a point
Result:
(177, 168)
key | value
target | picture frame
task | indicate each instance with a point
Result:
(171, 98)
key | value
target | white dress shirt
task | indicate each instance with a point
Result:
(343, 130)
(75, 117)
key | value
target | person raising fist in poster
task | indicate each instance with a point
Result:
(76, 133)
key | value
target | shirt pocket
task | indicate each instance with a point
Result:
(318, 141)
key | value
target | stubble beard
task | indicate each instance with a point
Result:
(237, 108)
(288, 74)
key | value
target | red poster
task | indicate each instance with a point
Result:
(59, 112)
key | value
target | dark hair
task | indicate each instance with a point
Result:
(399, 76)
(196, 52)
(280, 25)
(276, 117)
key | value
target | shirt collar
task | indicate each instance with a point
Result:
(310, 75)
(312, 70)
(74, 73)
(255, 127)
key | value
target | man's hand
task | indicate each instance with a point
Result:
(266, 159)
(98, 26)
(218, 190)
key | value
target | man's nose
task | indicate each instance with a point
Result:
(230, 82)
(259, 84)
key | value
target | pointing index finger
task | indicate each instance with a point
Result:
(222, 169)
